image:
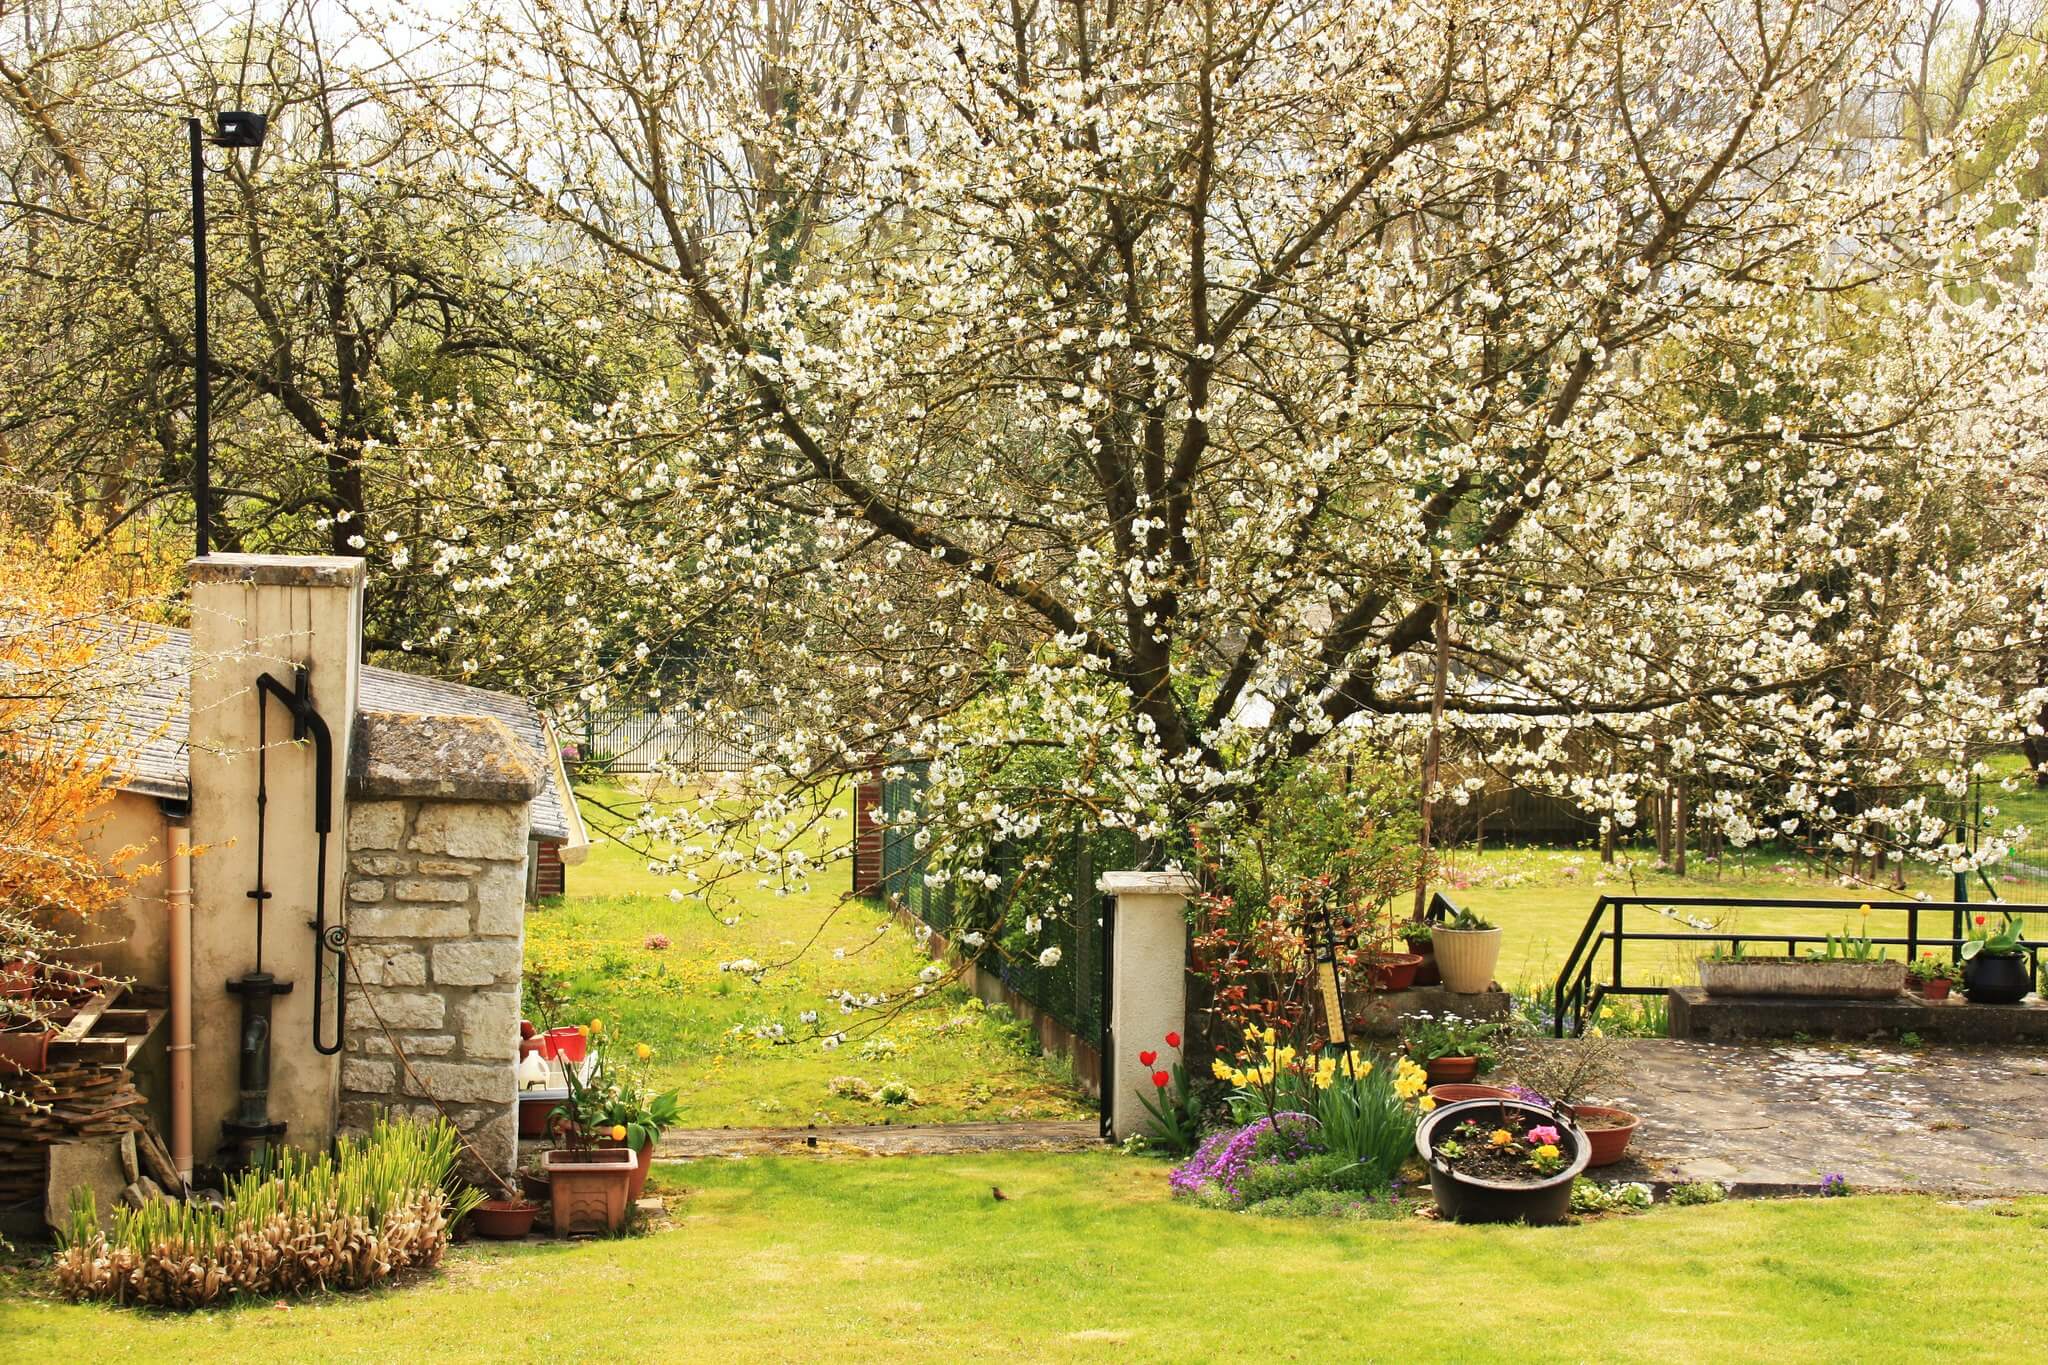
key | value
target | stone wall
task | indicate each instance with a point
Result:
(437, 847)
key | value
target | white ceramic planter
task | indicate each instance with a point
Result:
(1466, 958)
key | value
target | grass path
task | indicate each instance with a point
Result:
(1088, 1260)
(737, 1049)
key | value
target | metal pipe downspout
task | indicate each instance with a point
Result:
(178, 893)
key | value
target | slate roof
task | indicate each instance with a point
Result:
(150, 711)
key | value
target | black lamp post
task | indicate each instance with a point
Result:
(236, 128)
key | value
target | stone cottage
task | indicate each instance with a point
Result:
(392, 944)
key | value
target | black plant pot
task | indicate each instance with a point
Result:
(1467, 1199)
(2003, 980)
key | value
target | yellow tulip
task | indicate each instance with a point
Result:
(618, 1132)
(643, 1052)
(597, 1026)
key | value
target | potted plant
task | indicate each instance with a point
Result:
(1501, 1161)
(612, 1103)
(1995, 967)
(1931, 976)
(1565, 1073)
(1419, 935)
(1387, 968)
(1450, 1049)
(587, 1187)
(1849, 967)
(25, 1047)
(1467, 951)
(503, 1219)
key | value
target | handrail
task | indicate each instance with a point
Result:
(1576, 996)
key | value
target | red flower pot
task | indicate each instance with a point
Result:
(1391, 971)
(534, 1108)
(24, 1050)
(1607, 1132)
(503, 1219)
(1450, 1070)
(1452, 1094)
(565, 1044)
(642, 1160)
(1936, 988)
(1426, 974)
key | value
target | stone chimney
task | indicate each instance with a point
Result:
(255, 614)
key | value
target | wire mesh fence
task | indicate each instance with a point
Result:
(1066, 984)
(600, 743)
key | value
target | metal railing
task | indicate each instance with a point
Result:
(1577, 996)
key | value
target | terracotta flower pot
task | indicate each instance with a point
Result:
(503, 1219)
(1450, 1070)
(1457, 1093)
(1390, 971)
(643, 1159)
(17, 977)
(1934, 988)
(1607, 1132)
(24, 1050)
(588, 1188)
(1426, 974)
(534, 1108)
(1467, 957)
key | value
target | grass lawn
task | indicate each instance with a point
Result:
(710, 1028)
(910, 1258)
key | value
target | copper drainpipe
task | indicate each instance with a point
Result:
(178, 892)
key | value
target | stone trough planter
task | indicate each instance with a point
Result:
(1809, 978)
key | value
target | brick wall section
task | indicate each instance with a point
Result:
(437, 918)
(867, 836)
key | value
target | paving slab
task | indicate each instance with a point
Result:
(1772, 1118)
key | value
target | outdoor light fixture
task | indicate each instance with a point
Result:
(233, 128)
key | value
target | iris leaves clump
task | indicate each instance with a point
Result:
(381, 1204)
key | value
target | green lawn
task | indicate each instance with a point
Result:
(710, 1028)
(910, 1258)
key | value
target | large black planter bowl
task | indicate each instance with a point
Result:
(2003, 980)
(1465, 1199)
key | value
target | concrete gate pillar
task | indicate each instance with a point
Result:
(1148, 983)
(253, 614)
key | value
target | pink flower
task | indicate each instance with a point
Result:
(1542, 1134)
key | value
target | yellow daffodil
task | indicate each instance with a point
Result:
(1426, 1103)
(1239, 1079)
(1222, 1069)
(1323, 1079)
(1267, 1037)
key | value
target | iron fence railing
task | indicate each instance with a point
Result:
(1608, 932)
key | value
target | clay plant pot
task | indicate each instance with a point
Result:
(1934, 988)
(534, 1108)
(1467, 957)
(588, 1188)
(1607, 1132)
(24, 1050)
(503, 1219)
(1426, 974)
(1459, 1093)
(535, 1187)
(1450, 1070)
(2003, 980)
(1469, 1199)
(1390, 971)
(643, 1159)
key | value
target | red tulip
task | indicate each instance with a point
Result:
(1147, 1058)
(1160, 1079)
(1173, 1040)
(1980, 919)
